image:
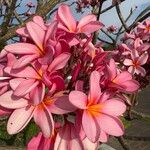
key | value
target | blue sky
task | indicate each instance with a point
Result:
(109, 17)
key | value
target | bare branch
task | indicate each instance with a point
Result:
(42, 12)
(140, 114)
(136, 138)
(10, 8)
(121, 17)
(123, 143)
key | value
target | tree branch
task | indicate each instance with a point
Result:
(123, 143)
(121, 17)
(136, 138)
(42, 12)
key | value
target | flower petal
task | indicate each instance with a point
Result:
(59, 62)
(110, 125)
(19, 119)
(39, 20)
(103, 137)
(142, 59)
(44, 120)
(34, 31)
(130, 86)
(140, 70)
(90, 126)
(112, 70)
(26, 72)
(25, 87)
(8, 100)
(95, 90)
(85, 20)
(78, 99)
(65, 16)
(60, 105)
(123, 77)
(24, 60)
(91, 27)
(22, 48)
(113, 107)
(128, 62)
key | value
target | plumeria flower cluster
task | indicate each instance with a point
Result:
(56, 70)
(135, 51)
(82, 4)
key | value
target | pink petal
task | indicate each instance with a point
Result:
(35, 142)
(61, 139)
(65, 15)
(25, 72)
(34, 31)
(15, 82)
(75, 142)
(50, 34)
(88, 145)
(37, 94)
(23, 32)
(103, 137)
(39, 20)
(105, 96)
(95, 90)
(110, 125)
(85, 20)
(134, 54)
(128, 62)
(91, 27)
(22, 48)
(140, 70)
(4, 111)
(131, 69)
(78, 99)
(142, 59)
(59, 62)
(19, 119)
(78, 125)
(25, 87)
(113, 107)
(8, 100)
(60, 105)
(59, 82)
(130, 86)
(90, 126)
(112, 70)
(122, 77)
(44, 120)
(24, 60)
(11, 59)
(3, 53)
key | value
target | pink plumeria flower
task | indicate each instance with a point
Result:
(30, 4)
(68, 138)
(64, 138)
(39, 107)
(99, 113)
(41, 143)
(27, 78)
(87, 24)
(28, 52)
(112, 28)
(144, 27)
(136, 62)
(122, 81)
